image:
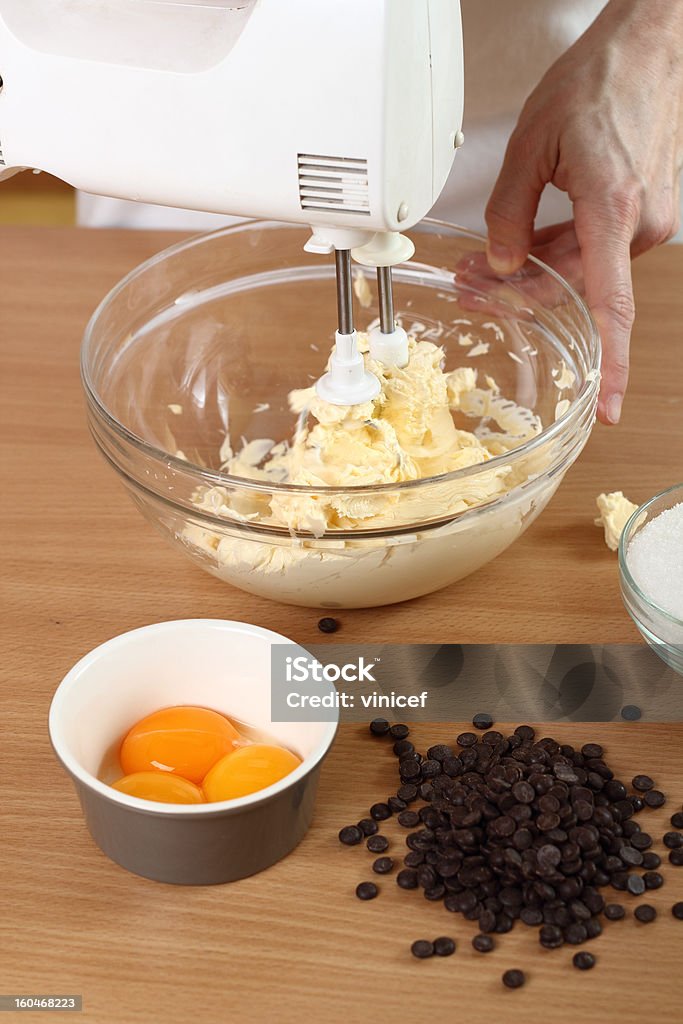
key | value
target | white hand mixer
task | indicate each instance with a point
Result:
(341, 114)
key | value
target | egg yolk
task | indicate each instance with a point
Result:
(167, 789)
(247, 770)
(184, 741)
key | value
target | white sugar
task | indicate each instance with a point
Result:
(655, 558)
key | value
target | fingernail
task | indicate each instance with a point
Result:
(501, 259)
(614, 408)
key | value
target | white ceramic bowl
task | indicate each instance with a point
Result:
(216, 664)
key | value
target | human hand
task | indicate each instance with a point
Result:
(605, 125)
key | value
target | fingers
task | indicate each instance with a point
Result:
(605, 230)
(514, 201)
(558, 247)
(542, 236)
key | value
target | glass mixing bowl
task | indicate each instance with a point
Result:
(662, 630)
(206, 340)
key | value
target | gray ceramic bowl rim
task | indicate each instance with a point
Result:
(582, 401)
(214, 809)
(624, 540)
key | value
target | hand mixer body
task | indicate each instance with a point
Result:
(341, 114)
(337, 113)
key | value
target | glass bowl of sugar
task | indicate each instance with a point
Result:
(651, 573)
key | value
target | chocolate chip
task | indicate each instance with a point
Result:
(487, 921)
(430, 769)
(482, 721)
(350, 835)
(504, 924)
(407, 878)
(673, 840)
(635, 885)
(631, 713)
(399, 732)
(565, 773)
(548, 858)
(630, 855)
(641, 841)
(328, 625)
(466, 739)
(651, 860)
(380, 812)
(444, 946)
(550, 936)
(403, 747)
(642, 783)
(653, 880)
(575, 934)
(383, 865)
(366, 891)
(615, 790)
(379, 727)
(439, 752)
(677, 911)
(484, 943)
(409, 770)
(435, 892)
(368, 827)
(614, 912)
(677, 819)
(645, 913)
(452, 767)
(524, 793)
(514, 979)
(422, 949)
(654, 798)
(377, 844)
(408, 819)
(407, 792)
(515, 828)
(676, 857)
(396, 805)
(583, 961)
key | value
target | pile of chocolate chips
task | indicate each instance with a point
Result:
(514, 828)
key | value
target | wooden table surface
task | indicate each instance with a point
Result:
(79, 566)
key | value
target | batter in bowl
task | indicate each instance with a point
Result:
(407, 433)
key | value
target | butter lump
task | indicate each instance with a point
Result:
(615, 510)
(413, 431)
(407, 433)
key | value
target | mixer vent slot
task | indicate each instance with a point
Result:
(2, 159)
(333, 184)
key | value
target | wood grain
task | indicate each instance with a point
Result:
(559, 582)
(294, 942)
(80, 566)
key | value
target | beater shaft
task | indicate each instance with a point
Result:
(386, 300)
(344, 291)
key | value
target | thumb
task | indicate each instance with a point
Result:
(511, 210)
